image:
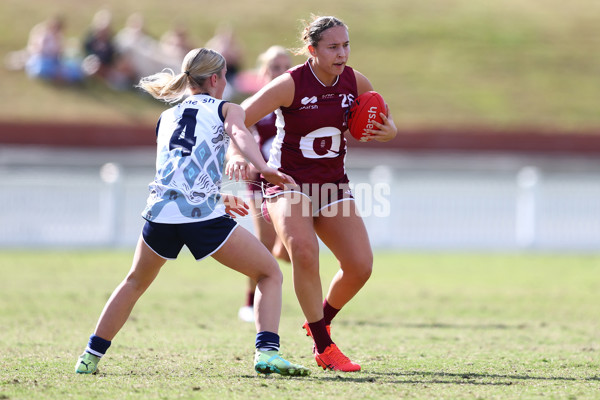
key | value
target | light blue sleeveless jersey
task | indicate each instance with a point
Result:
(191, 147)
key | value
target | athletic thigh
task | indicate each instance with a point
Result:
(146, 264)
(292, 219)
(244, 253)
(344, 233)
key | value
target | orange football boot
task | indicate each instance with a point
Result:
(333, 359)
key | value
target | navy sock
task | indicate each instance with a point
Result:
(97, 346)
(267, 341)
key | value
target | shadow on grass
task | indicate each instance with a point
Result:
(446, 378)
(360, 377)
(435, 325)
(469, 378)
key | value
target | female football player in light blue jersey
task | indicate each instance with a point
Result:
(185, 206)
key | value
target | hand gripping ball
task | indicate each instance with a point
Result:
(364, 110)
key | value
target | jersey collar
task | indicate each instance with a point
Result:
(317, 78)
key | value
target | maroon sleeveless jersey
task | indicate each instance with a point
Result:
(310, 144)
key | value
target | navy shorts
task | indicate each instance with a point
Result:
(201, 238)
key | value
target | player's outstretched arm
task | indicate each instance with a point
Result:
(236, 167)
(243, 139)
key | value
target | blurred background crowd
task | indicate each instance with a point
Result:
(120, 57)
(496, 103)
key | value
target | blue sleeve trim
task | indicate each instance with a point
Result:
(221, 116)
(158, 125)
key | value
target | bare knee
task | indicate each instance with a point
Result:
(136, 284)
(280, 252)
(365, 273)
(139, 279)
(272, 273)
(359, 269)
(304, 255)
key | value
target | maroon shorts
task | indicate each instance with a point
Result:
(255, 183)
(321, 195)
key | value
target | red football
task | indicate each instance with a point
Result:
(363, 112)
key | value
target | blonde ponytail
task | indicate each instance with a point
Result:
(198, 65)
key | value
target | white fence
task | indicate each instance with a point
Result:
(60, 198)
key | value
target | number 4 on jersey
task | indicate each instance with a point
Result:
(184, 137)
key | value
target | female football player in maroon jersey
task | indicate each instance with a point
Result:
(310, 102)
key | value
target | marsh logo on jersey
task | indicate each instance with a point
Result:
(309, 100)
(309, 103)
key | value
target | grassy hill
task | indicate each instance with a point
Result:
(437, 62)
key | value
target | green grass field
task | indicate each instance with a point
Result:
(443, 63)
(437, 326)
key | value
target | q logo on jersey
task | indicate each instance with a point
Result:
(321, 143)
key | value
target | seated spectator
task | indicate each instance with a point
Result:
(47, 58)
(98, 42)
(102, 58)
